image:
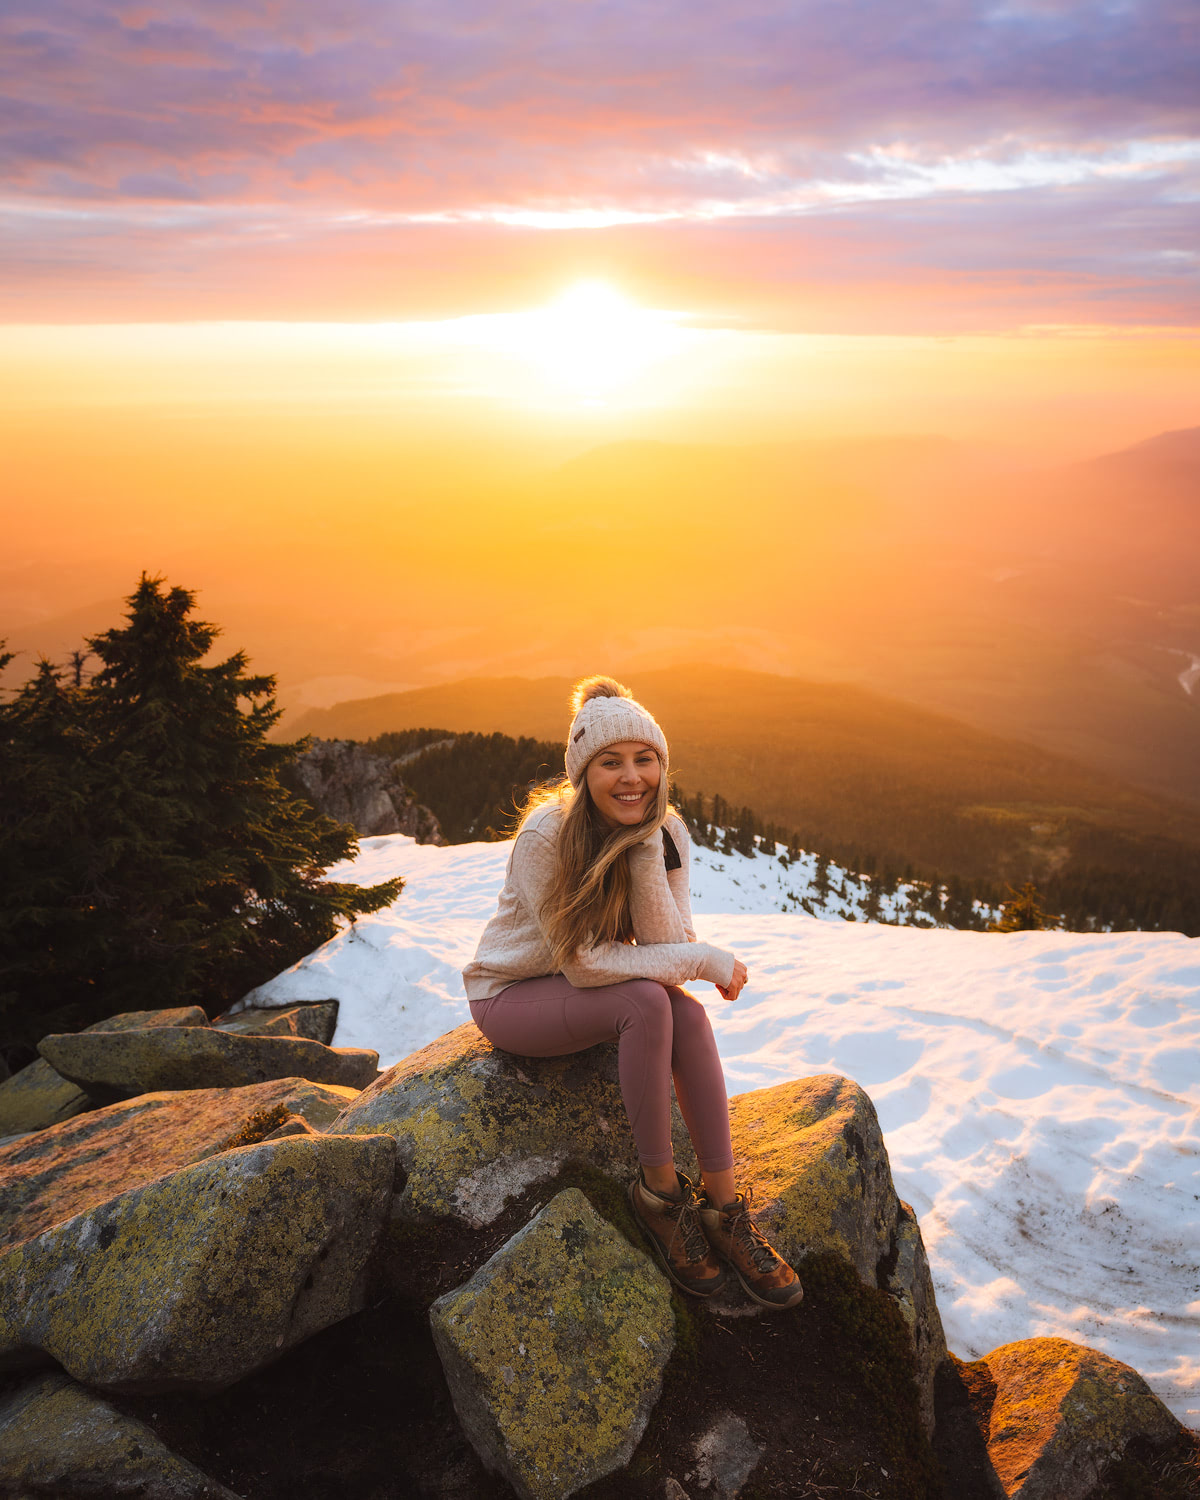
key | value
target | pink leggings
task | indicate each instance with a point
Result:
(661, 1031)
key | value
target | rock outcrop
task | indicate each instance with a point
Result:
(201, 1277)
(37, 1097)
(125, 1064)
(58, 1439)
(73, 1167)
(474, 1127)
(348, 782)
(182, 1240)
(555, 1349)
(812, 1154)
(1060, 1413)
(315, 1020)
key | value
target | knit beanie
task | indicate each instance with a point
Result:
(605, 714)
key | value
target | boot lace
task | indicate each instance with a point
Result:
(688, 1226)
(748, 1237)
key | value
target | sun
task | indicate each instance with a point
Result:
(591, 344)
(593, 340)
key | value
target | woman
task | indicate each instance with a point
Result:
(591, 940)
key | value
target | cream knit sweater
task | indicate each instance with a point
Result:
(513, 945)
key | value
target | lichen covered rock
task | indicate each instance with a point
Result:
(123, 1065)
(37, 1097)
(70, 1168)
(200, 1278)
(475, 1126)
(56, 1438)
(813, 1154)
(314, 1019)
(554, 1350)
(1060, 1413)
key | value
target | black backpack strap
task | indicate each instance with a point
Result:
(670, 854)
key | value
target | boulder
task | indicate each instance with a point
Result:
(1060, 1413)
(58, 1439)
(124, 1065)
(199, 1278)
(812, 1154)
(475, 1126)
(37, 1097)
(314, 1019)
(70, 1168)
(554, 1350)
(352, 784)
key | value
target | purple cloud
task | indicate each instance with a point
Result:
(1001, 124)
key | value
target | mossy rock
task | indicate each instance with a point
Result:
(812, 1154)
(199, 1278)
(56, 1438)
(475, 1126)
(314, 1019)
(70, 1168)
(554, 1350)
(36, 1097)
(123, 1065)
(1061, 1413)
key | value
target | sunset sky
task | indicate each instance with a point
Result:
(532, 228)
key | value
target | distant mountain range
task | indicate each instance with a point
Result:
(1056, 606)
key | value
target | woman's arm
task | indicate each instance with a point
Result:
(679, 879)
(653, 906)
(532, 875)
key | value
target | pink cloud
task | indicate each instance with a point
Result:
(1022, 145)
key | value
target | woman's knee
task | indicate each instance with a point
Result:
(649, 1004)
(689, 1019)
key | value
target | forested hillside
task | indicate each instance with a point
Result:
(858, 775)
(475, 784)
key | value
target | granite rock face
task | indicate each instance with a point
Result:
(474, 1126)
(37, 1097)
(58, 1439)
(121, 1066)
(73, 1167)
(315, 1020)
(812, 1153)
(350, 783)
(555, 1349)
(1060, 1413)
(201, 1277)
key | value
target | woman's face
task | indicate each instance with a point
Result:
(623, 781)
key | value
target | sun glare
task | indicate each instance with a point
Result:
(590, 345)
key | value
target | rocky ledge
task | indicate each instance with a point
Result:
(432, 1286)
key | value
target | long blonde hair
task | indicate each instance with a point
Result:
(589, 900)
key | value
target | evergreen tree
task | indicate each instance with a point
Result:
(1022, 912)
(150, 856)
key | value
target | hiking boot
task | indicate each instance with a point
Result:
(672, 1225)
(763, 1272)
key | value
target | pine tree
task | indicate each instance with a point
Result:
(149, 855)
(1022, 912)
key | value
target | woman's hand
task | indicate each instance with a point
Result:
(733, 989)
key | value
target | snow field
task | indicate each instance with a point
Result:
(1039, 1092)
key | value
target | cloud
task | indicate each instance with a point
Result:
(868, 123)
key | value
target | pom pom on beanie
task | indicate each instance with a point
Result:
(605, 713)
